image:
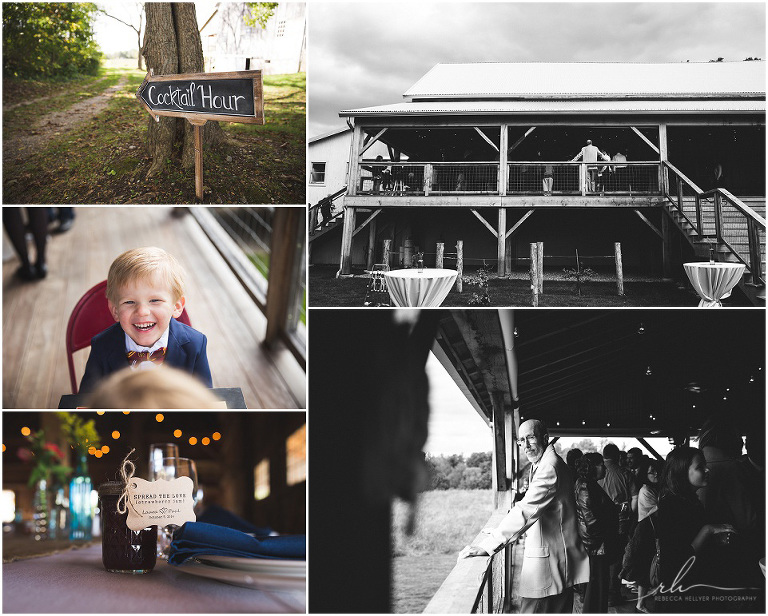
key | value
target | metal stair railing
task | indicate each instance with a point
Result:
(728, 216)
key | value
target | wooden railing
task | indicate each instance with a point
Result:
(478, 585)
(718, 216)
(388, 178)
(604, 177)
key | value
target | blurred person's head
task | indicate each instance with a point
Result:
(161, 388)
(585, 469)
(596, 460)
(721, 433)
(611, 452)
(685, 471)
(634, 457)
(573, 456)
(533, 437)
(145, 289)
(649, 471)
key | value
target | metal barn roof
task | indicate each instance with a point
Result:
(590, 79)
(587, 87)
(563, 106)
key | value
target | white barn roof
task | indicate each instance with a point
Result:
(588, 87)
(590, 80)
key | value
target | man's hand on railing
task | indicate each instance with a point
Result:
(470, 551)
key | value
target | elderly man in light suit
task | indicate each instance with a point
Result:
(554, 559)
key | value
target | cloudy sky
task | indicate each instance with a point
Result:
(363, 54)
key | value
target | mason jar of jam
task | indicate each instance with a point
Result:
(123, 550)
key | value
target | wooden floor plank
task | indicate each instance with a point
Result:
(35, 314)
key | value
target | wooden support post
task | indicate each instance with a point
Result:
(663, 156)
(345, 267)
(387, 249)
(459, 265)
(540, 265)
(440, 254)
(502, 495)
(619, 269)
(501, 243)
(198, 124)
(508, 252)
(666, 254)
(313, 219)
(371, 244)
(534, 276)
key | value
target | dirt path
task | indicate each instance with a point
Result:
(20, 145)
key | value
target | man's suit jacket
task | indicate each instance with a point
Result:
(186, 350)
(554, 558)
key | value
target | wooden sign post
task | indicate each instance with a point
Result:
(200, 97)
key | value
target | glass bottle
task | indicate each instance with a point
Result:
(123, 550)
(80, 513)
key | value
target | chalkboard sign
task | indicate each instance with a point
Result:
(232, 97)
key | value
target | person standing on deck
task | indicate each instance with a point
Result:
(554, 558)
(589, 154)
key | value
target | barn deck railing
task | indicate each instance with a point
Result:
(386, 178)
(477, 585)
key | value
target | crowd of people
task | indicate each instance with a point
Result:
(684, 534)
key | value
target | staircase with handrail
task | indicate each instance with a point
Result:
(719, 221)
(317, 230)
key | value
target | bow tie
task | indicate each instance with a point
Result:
(136, 357)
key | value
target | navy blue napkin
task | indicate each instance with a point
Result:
(199, 539)
(214, 514)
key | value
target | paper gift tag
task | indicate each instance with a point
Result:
(159, 502)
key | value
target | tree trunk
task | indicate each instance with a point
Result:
(161, 54)
(140, 57)
(190, 49)
(172, 45)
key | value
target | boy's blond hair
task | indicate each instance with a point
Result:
(142, 264)
(161, 388)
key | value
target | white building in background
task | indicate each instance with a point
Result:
(328, 164)
(231, 45)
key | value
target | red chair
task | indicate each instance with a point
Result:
(90, 316)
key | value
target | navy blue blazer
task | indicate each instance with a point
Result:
(186, 351)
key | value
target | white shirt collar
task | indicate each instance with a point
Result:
(130, 345)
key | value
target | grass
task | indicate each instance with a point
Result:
(446, 521)
(105, 160)
(326, 290)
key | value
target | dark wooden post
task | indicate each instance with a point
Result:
(387, 249)
(501, 244)
(345, 268)
(718, 216)
(540, 265)
(285, 229)
(619, 269)
(371, 244)
(666, 240)
(534, 277)
(440, 254)
(459, 265)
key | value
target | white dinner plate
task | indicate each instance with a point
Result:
(247, 579)
(268, 566)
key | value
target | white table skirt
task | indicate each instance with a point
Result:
(713, 281)
(409, 287)
(75, 582)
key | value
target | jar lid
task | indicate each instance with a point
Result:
(111, 488)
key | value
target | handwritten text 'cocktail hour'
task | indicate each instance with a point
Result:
(191, 97)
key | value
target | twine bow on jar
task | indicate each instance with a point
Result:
(127, 470)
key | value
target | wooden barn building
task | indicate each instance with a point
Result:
(471, 148)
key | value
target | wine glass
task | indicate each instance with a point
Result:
(173, 468)
(158, 451)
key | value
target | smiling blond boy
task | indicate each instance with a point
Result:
(145, 293)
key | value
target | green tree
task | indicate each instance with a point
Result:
(260, 13)
(49, 39)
